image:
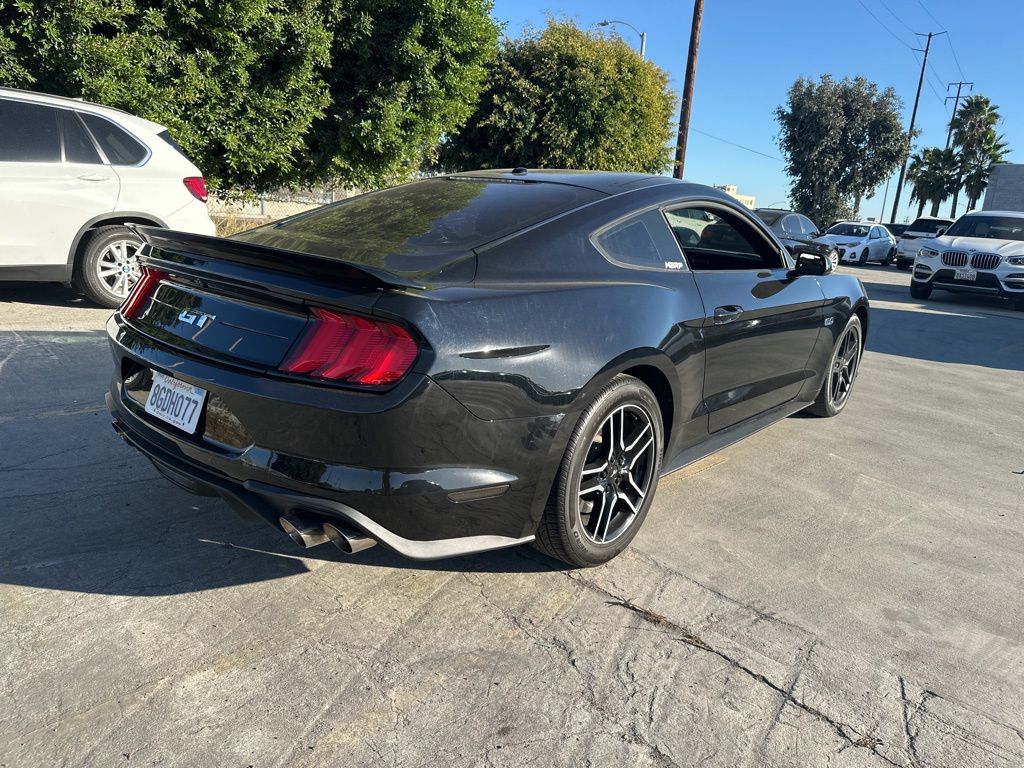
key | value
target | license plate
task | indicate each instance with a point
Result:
(970, 275)
(175, 402)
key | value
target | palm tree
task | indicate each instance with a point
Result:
(934, 173)
(977, 167)
(974, 134)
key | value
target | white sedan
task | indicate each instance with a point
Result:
(861, 242)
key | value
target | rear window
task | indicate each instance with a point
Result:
(166, 136)
(118, 145)
(928, 226)
(768, 217)
(429, 216)
(28, 133)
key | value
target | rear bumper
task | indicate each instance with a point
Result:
(411, 468)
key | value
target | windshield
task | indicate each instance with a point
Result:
(848, 230)
(991, 227)
(769, 217)
(928, 226)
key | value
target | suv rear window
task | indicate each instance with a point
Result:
(930, 226)
(429, 216)
(28, 133)
(118, 145)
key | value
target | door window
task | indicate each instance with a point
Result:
(877, 233)
(791, 224)
(28, 133)
(712, 239)
(118, 145)
(808, 226)
(78, 147)
(640, 241)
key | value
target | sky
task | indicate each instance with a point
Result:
(751, 52)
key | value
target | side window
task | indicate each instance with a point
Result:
(791, 225)
(808, 226)
(640, 241)
(719, 240)
(78, 147)
(28, 133)
(119, 147)
(876, 232)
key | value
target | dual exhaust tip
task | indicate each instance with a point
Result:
(309, 531)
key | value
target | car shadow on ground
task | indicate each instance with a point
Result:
(44, 294)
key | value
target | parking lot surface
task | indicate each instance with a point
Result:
(841, 592)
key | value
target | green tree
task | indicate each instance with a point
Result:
(567, 98)
(266, 93)
(974, 134)
(841, 140)
(237, 82)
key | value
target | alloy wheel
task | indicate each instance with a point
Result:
(617, 474)
(118, 266)
(844, 367)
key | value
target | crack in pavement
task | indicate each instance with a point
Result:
(843, 730)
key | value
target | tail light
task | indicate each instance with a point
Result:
(143, 288)
(346, 348)
(197, 186)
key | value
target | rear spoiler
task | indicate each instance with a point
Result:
(278, 259)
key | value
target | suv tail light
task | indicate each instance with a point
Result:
(147, 283)
(197, 186)
(346, 348)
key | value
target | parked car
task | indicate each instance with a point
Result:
(862, 241)
(896, 230)
(982, 252)
(476, 361)
(922, 228)
(72, 176)
(797, 231)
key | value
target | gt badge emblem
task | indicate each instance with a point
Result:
(197, 319)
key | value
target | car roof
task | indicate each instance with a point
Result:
(862, 223)
(773, 210)
(606, 182)
(1012, 214)
(113, 113)
(931, 218)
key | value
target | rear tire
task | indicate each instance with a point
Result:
(108, 267)
(919, 290)
(843, 367)
(608, 476)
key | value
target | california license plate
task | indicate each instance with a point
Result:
(971, 275)
(175, 402)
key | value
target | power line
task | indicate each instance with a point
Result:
(733, 143)
(949, 38)
(955, 58)
(884, 26)
(893, 14)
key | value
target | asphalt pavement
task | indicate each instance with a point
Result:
(841, 592)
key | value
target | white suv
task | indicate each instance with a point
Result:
(982, 252)
(72, 174)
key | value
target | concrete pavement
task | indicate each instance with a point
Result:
(839, 592)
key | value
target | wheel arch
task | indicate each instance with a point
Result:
(114, 218)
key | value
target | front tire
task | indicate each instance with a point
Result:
(890, 257)
(919, 290)
(608, 476)
(864, 256)
(109, 266)
(843, 368)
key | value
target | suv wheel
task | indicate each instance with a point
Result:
(920, 290)
(607, 478)
(109, 266)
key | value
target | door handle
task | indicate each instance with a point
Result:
(730, 313)
(92, 177)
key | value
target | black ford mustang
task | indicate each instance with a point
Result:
(476, 361)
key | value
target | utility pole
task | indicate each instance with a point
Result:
(913, 119)
(684, 106)
(949, 135)
(956, 105)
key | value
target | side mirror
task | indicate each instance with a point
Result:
(811, 263)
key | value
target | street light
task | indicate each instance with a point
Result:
(643, 35)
